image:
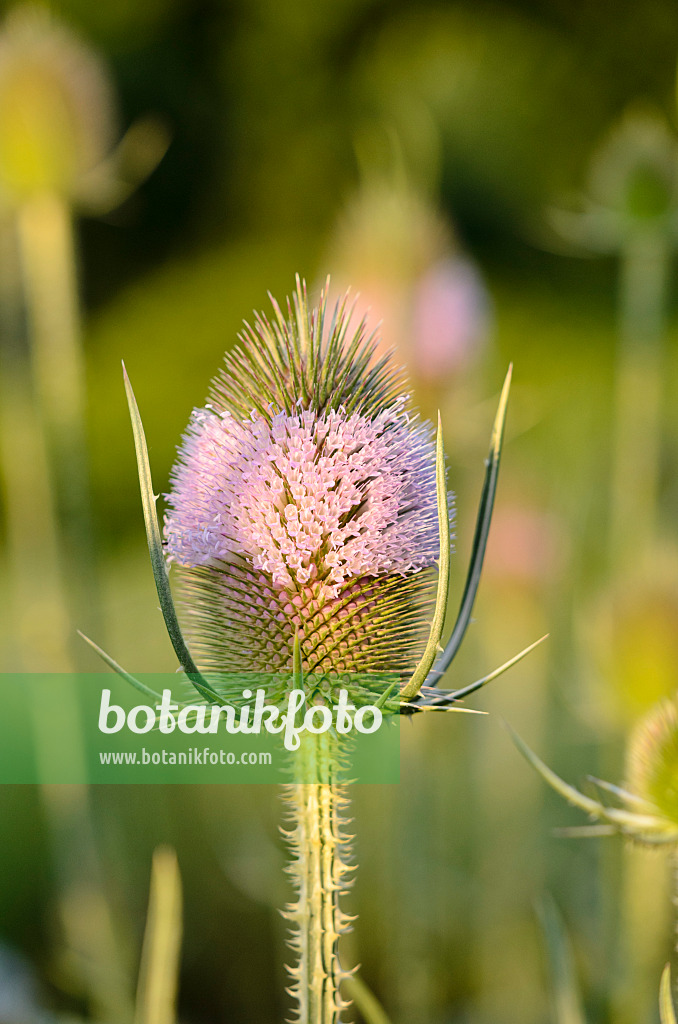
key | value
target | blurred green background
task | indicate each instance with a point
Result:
(445, 160)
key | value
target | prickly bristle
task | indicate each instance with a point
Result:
(238, 621)
(307, 360)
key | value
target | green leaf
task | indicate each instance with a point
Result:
(667, 1014)
(385, 695)
(415, 682)
(366, 1002)
(415, 707)
(630, 799)
(148, 500)
(567, 1005)
(158, 975)
(479, 539)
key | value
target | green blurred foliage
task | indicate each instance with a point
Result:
(276, 110)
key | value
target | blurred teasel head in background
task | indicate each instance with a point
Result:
(634, 172)
(631, 189)
(632, 633)
(57, 111)
(652, 760)
(59, 120)
(401, 257)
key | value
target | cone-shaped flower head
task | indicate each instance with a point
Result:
(304, 504)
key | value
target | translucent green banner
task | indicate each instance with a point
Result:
(95, 728)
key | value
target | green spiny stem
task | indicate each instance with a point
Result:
(320, 874)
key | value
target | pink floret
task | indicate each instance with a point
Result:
(306, 498)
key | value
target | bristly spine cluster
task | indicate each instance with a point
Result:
(307, 360)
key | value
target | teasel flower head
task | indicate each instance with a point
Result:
(304, 504)
(310, 525)
(58, 115)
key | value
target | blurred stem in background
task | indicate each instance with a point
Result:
(48, 267)
(566, 1001)
(37, 638)
(630, 209)
(57, 124)
(644, 271)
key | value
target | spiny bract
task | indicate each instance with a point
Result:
(304, 504)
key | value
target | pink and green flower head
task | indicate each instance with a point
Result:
(309, 522)
(304, 504)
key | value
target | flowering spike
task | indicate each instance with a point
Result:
(479, 540)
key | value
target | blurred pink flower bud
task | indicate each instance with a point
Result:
(450, 318)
